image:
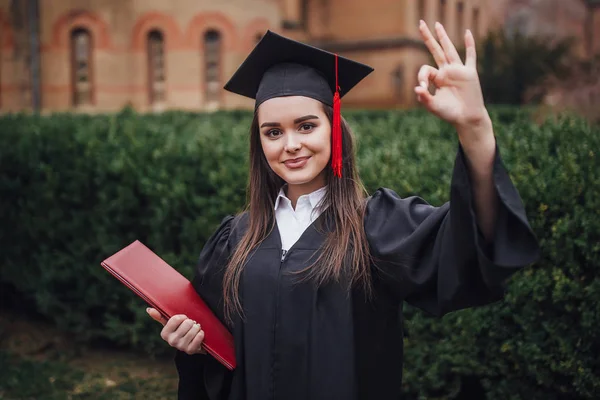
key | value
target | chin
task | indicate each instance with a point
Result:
(297, 178)
(301, 176)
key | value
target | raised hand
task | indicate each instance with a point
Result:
(458, 98)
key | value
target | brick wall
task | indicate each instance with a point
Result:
(119, 62)
(382, 33)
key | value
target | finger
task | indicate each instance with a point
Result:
(449, 49)
(185, 341)
(426, 75)
(471, 52)
(423, 96)
(175, 338)
(172, 325)
(155, 315)
(196, 344)
(434, 47)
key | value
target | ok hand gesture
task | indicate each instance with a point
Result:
(458, 98)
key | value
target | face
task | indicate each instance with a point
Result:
(295, 135)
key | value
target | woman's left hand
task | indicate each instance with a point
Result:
(458, 98)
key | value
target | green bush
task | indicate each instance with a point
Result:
(542, 342)
(75, 189)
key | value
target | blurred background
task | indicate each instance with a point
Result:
(114, 127)
(99, 56)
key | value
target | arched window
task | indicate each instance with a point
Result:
(156, 67)
(421, 10)
(460, 18)
(475, 23)
(442, 12)
(398, 82)
(1, 58)
(212, 67)
(81, 68)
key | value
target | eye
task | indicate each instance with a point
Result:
(306, 127)
(273, 133)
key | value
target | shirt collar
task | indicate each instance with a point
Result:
(314, 198)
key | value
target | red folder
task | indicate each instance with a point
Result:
(165, 289)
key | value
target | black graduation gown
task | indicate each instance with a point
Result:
(298, 342)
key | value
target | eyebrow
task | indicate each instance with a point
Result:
(296, 121)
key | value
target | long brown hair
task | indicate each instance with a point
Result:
(345, 251)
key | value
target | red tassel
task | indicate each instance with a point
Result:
(336, 129)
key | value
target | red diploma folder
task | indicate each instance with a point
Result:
(165, 289)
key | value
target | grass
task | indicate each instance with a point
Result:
(37, 362)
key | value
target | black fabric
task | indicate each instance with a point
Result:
(279, 66)
(299, 342)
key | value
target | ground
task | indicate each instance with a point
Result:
(38, 362)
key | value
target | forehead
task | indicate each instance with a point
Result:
(279, 109)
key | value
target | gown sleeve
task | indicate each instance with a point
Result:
(201, 376)
(436, 258)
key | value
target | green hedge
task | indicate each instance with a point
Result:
(74, 189)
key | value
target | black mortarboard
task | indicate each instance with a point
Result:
(279, 66)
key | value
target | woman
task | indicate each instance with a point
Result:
(312, 277)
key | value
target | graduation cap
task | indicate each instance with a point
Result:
(279, 67)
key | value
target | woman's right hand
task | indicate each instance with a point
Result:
(180, 332)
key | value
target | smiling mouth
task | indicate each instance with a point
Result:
(296, 162)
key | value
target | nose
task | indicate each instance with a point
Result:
(293, 143)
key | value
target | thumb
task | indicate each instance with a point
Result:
(155, 315)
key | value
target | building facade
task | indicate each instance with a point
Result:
(554, 19)
(102, 55)
(385, 35)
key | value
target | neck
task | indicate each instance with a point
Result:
(294, 192)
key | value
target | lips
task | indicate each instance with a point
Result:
(296, 162)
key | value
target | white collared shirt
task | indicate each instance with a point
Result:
(292, 223)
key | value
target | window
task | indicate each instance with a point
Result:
(156, 67)
(460, 15)
(81, 77)
(304, 13)
(212, 61)
(398, 82)
(416, 76)
(442, 12)
(1, 58)
(421, 9)
(475, 27)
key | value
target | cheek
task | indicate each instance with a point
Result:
(270, 149)
(322, 144)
